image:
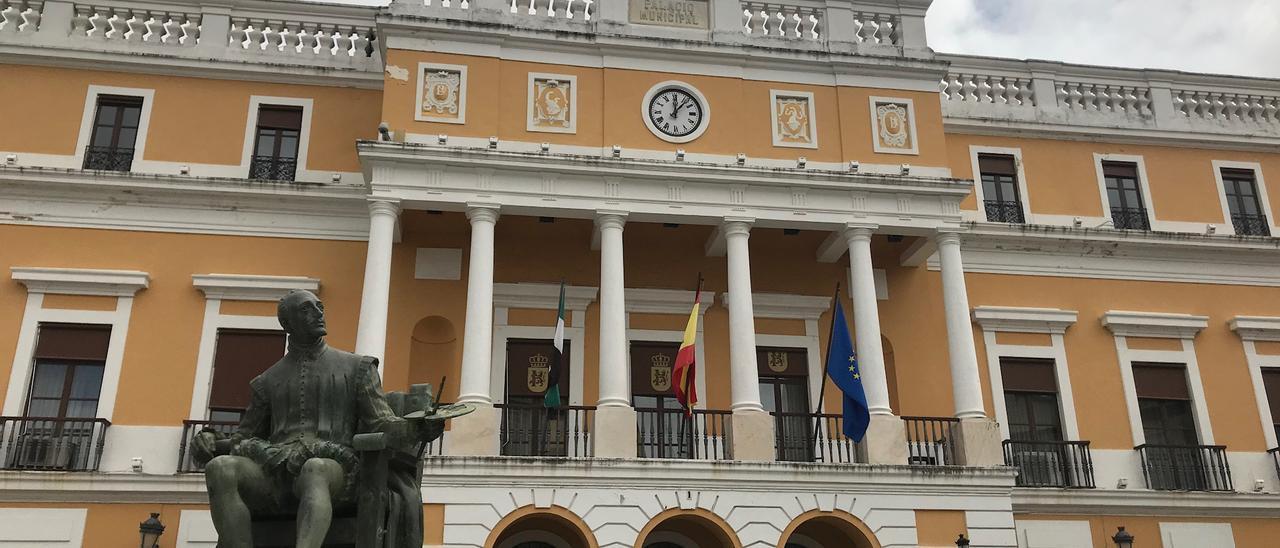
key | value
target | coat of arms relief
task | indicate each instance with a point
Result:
(894, 126)
(793, 123)
(552, 103)
(442, 95)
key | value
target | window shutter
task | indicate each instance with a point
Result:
(997, 164)
(239, 356)
(1028, 375)
(1271, 383)
(1237, 174)
(61, 341)
(279, 117)
(1120, 169)
(1161, 381)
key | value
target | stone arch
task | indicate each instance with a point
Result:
(696, 528)
(834, 529)
(433, 351)
(553, 527)
(890, 374)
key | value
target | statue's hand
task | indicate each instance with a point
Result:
(204, 447)
(397, 433)
(430, 430)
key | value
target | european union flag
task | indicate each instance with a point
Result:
(842, 367)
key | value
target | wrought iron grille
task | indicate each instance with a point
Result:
(1275, 457)
(189, 431)
(37, 443)
(273, 168)
(931, 441)
(672, 434)
(1003, 211)
(813, 437)
(108, 158)
(1130, 218)
(536, 431)
(1185, 468)
(1251, 225)
(1050, 463)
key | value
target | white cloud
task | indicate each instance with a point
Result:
(1239, 37)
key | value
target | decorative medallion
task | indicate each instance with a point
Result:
(539, 373)
(660, 372)
(442, 93)
(675, 112)
(777, 361)
(552, 103)
(894, 125)
(793, 119)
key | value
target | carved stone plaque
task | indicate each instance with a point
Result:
(689, 14)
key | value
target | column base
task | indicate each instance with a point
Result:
(474, 434)
(752, 435)
(979, 443)
(613, 435)
(886, 440)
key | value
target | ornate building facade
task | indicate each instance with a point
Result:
(1062, 279)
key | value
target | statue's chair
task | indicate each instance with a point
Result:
(388, 509)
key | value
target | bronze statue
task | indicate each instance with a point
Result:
(312, 418)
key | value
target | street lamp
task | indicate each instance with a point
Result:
(962, 542)
(151, 531)
(1123, 539)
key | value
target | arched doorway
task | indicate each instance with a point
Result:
(687, 529)
(890, 373)
(531, 527)
(433, 353)
(816, 529)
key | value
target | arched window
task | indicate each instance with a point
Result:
(533, 544)
(663, 545)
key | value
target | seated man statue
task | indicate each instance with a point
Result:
(294, 448)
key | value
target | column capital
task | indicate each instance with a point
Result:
(859, 231)
(383, 206)
(737, 226)
(610, 218)
(948, 236)
(482, 212)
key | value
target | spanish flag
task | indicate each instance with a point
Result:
(686, 371)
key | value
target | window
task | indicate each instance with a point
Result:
(1244, 202)
(1165, 404)
(664, 429)
(275, 150)
(528, 427)
(1271, 384)
(999, 175)
(784, 393)
(59, 429)
(239, 356)
(115, 130)
(1125, 196)
(1031, 399)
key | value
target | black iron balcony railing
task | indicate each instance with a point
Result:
(108, 158)
(931, 441)
(1250, 225)
(1130, 218)
(273, 168)
(189, 430)
(1185, 467)
(673, 434)
(813, 437)
(1002, 211)
(1050, 463)
(37, 443)
(1275, 457)
(536, 431)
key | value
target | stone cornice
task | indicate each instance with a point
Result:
(785, 306)
(1112, 502)
(665, 301)
(1124, 323)
(542, 296)
(248, 287)
(1023, 319)
(81, 281)
(1256, 328)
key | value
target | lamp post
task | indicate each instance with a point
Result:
(962, 542)
(151, 531)
(1123, 539)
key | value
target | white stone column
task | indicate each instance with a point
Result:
(477, 433)
(966, 388)
(615, 421)
(866, 320)
(750, 427)
(371, 333)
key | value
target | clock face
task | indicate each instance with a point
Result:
(676, 112)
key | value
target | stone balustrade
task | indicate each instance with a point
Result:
(19, 16)
(803, 22)
(135, 24)
(299, 38)
(979, 90)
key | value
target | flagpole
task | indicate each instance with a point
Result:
(822, 390)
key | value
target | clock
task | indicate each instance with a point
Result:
(675, 112)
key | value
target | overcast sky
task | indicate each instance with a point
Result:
(1218, 36)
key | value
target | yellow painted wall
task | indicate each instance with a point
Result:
(194, 120)
(940, 528)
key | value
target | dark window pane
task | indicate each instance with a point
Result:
(766, 397)
(131, 116)
(87, 382)
(50, 378)
(288, 145)
(82, 409)
(127, 138)
(989, 187)
(43, 408)
(266, 143)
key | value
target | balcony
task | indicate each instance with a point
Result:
(536, 431)
(1003, 211)
(1185, 467)
(36, 443)
(813, 437)
(1130, 218)
(108, 158)
(1250, 225)
(672, 434)
(273, 168)
(189, 430)
(1275, 458)
(1050, 463)
(931, 441)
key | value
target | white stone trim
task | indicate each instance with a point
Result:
(542, 296)
(1153, 324)
(1054, 322)
(43, 527)
(1195, 535)
(785, 306)
(251, 287)
(421, 80)
(1256, 328)
(1252, 329)
(195, 530)
(81, 281)
(1143, 184)
(683, 86)
(539, 297)
(76, 160)
(1186, 356)
(256, 102)
(1227, 226)
(666, 301)
(773, 120)
(535, 535)
(1023, 198)
(573, 103)
(875, 126)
